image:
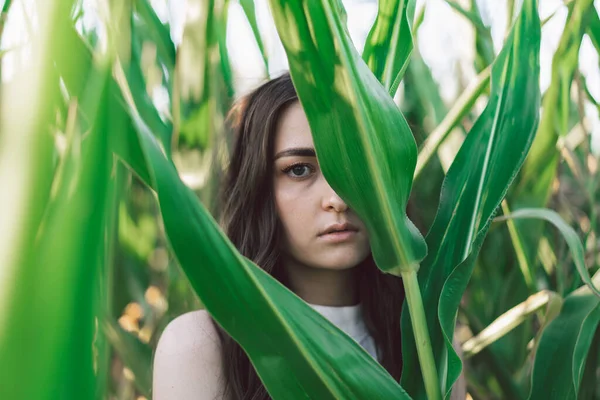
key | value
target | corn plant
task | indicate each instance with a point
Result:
(80, 133)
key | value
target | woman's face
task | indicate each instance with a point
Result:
(306, 204)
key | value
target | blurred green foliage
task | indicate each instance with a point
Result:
(146, 286)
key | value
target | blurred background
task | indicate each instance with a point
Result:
(455, 42)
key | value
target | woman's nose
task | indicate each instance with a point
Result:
(331, 200)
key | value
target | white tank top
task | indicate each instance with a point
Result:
(350, 320)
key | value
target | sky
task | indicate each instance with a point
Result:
(444, 41)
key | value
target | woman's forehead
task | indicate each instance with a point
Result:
(293, 130)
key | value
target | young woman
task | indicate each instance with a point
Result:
(280, 212)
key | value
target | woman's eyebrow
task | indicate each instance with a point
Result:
(296, 151)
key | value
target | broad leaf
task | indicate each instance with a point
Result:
(533, 185)
(56, 283)
(364, 145)
(474, 186)
(569, 337)
(42, 250)
(564, 345)
(389, 43)
(575, 246)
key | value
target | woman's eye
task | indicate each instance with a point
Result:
(298, 170)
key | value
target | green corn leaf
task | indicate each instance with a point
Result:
(143, 101)
(419, 18)
(474, 186)
(472, 16)
(51, 347)
(224, 58)
(389, 43)
(575, 246)
(365, 148)
(363, 143)
(37, 90)
(28, 103)
(249, 10)
(462, 106)
(5, 6)
(50, 355)
(199, 108)
(484, 46)
(151, 29)
(75, 77)
(533, 185)
(534, 180)
(564, 345)
(74, 74)
(74, 264)
(593, 28)
(105, 282)
(297, 352)
(4, 14)
(147, 30)
(128, 150)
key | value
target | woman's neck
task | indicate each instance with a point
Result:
(324, 287)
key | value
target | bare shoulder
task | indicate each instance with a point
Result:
(187, 362)
(189, 331)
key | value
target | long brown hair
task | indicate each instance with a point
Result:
(248, 217)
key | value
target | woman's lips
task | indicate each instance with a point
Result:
(339, 236)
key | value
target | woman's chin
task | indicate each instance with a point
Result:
(344, 261)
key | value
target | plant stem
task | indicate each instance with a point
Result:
(421, 333)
